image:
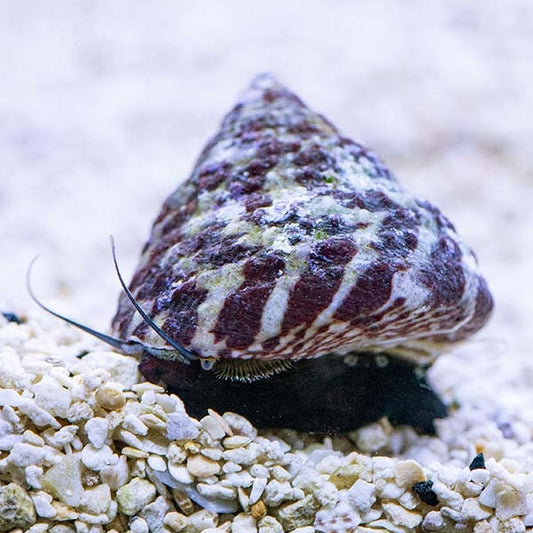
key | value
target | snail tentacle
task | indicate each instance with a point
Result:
(127, 347)
(187, 355)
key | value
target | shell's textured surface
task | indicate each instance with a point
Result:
(290, 241)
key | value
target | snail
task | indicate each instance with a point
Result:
(293, 280)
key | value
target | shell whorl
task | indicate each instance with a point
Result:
(291, 241)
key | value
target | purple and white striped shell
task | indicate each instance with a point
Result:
(290, 241)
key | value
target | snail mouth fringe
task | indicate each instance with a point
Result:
(322, 395)
(249, 370)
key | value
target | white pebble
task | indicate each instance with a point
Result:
(240, 425)
(38, 528)
(243, 456)
(79, 411)
(148, 396)
(52, 455)
(470, 488)
(121, 368)
(154, 514)
(244, 500)
(243, 523)
(176, 521)
(362, 495)
(203, 519)
(400, 516)
(10, 397)
(268, 524)
(384, 468)
(38, 416)
(97, 429)
(447, 496)
(258, 487)
(180, 473)
(138, 468)
(41, 501)
(176, 454)
(7, 442)
(110, 396)
(280, 473)
(168, 402)
(115, 475)
(371, 438)
(235, 441)
(452, 514)
(63, 480)
(449, 476)
(97, 500)
(259, 471)
(32, 438)
(138, 525)
(10, 415)
(144, 444)
(23, 454)
(390, 491)
(371, 515)
(134, 453)
(409, 500)
(154, 422)
(145, 386)
(480, 475)
(488, 496)
(240, 479)
(52, 396)
(327, 494)
(212, 453)
(408, 473)
(138, 493)
(340, 518)
(214, 426)
(200, 466)
(472, 510)
(274, 450)
(156, 462)
(230, 467)
(276, 492)
(434, 521)
(329, 464)
(96, 459)
(216, 491)
(58, 439)
(180, 427)
(33, 474)
(6, 428)
(509, 503)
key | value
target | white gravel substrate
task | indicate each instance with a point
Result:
(86, 447)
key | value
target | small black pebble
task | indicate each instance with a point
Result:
(424, 492)
(12, 317)
(477, 462)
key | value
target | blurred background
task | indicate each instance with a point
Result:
(104, 107)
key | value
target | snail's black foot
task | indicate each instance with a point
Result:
(322, 395)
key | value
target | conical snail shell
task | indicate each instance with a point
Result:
(291, 241)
